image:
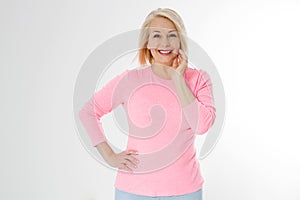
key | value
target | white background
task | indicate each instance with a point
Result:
(254, 45)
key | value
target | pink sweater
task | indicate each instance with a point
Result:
(160, 129)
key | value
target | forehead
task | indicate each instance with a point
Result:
(162, 24)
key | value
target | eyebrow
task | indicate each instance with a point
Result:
(169, 31)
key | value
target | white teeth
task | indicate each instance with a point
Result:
(164, 51)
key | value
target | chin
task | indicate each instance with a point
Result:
(165, 64)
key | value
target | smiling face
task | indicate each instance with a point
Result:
(164, 41)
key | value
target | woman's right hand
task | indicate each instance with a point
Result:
(123, 160)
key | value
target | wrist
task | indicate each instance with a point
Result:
(177, 78)
(105, 150)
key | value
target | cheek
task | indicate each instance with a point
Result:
(175, 43)
(152, 43)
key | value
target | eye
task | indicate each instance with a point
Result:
(173, 35)
(156, 35)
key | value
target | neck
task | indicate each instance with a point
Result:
(161, 70)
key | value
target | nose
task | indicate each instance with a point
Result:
(165, 42)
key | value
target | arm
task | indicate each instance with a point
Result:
(90, 116)
(101, 103)
(183, 91)
(197, 106)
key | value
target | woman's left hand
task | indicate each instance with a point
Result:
(179, 64)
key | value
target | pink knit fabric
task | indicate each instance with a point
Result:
(160, 129)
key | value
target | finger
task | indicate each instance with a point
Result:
(132, 159)
(130, 164)
(125, 167)
(175, 63)
(182, 59)
(183, 55)
(181, 52)
(176, 51)
(132, 153)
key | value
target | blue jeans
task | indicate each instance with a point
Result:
(121, 195)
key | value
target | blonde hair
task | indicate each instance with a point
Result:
(144, 54)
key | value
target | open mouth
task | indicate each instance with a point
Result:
(165, 52)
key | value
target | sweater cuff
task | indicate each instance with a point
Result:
(191, 113)
(98, 141)
(191, 105)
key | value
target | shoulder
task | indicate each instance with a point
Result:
(138, 72)
(196, 78)
(192, 74)
(129, 75)
(130, 72)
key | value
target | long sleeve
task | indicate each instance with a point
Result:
(200, 113)
(101, 103)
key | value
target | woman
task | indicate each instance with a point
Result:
(160, 161)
